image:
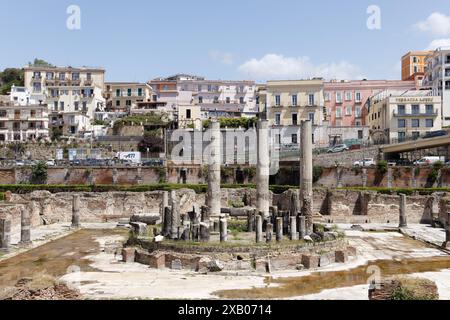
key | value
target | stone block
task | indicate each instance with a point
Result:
(310, 261)
(157, 260)
(176, 264)
(351, 251)
(326, 259)
(341, 256)
(143, 257)
(128, 254)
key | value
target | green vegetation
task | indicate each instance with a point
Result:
(40, 63)
(414, 289)
(434, 173)
(156, 119)
(17, 148)
(236, 204)
(98, 122)
(317, 173)
(56, 134)
(151, 143)
(10, 77)
(39, 173)
(2, 196)
(234, 122)
(382, 167)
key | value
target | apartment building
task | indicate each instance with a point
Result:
(404, 115)
(414, 65)
(437, 78)
(124, 96)
(70, 123)
(215, 97)
(287, 102)
(21, 96)
(22, 122)
(67, 89)
(345, 100)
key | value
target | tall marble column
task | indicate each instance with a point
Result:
(214, 162)
(263, 169)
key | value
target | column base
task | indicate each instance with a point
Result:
(25, 244)
(5, 250)
(446, 245)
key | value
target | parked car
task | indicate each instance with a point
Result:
(19, 163)
(403, 162)
(51, 163)
(367, 162)
(75, 162)
(338, 148)
(434, 134)
(426, 161)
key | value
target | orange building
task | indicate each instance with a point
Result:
(413, 65)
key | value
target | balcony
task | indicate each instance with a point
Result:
(37, 77)
(397, 114)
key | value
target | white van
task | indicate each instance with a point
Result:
(426, 161)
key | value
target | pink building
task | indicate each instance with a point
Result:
(345, 100)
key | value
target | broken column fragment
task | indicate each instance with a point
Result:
(259, 228)
(25, 227)
(76, 211)
(294, 233)
(205, 224)
(223, 229)
(175, 215)
(279, 227)
(5, 235)
(402, 212)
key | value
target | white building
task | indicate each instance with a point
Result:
(437, 78)
(404, 115)
(67, 90)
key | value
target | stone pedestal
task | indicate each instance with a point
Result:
(269, 232)
(76, 211)
(402, 212)
(5, 235)
(301, 226)
(293, 231)
(279, 227)
(25, 228)
(205, 224)
(223, 230)
(167, 222)
(251, 220)
(259, 228)
(164, 203)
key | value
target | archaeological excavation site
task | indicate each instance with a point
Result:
(302, 242)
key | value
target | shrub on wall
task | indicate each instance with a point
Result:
(317, 173)
(39, 173)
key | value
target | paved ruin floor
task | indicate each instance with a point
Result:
(116, 280)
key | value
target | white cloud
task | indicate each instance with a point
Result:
(438, 43)
(222, 57)
(276, 66)
(437, 24)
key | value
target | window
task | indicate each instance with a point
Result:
(348, 111)
(401, 109)
(228, 100)
(415, 109)
(37, 87)
(76, 105)
(209, 87)
(128, 103)
(61, 105)
(277, 119)
(311, 117)
(75, 76)
(49, 75)
(129, 92)
(429, 123)
(338, 97)
(216, 99)
(348, 96)
(84, 106)
(200, 99)
(294, 138)
(89, 76)
(188, 113)
(278, 138)
(294, 99)
(294, 119)
(199, 88)
(62, 76)
(429, 109)
(117, 92)
(311, 99)
(401, 123)
(358, 112)
(415, 123)
(277, 100)
(241, 100)
(140, 92)
(338, 113)
(360, 134)
(117, 103)
(55, 105)
(327, 96)
(358, 96)
(401, 136)
(416, 135)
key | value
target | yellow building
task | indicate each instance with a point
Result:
(189, 115)
(290, 101)
(413, 65)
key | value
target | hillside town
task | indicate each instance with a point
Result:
(78, 104)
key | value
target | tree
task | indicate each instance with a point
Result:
(39, 173)
(40, 63)
(56, 134)
(10, 77)
(152, 143)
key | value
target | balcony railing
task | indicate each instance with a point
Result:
(434, 112)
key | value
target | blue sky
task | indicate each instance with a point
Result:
(137, 40)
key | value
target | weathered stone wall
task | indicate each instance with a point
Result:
(333, 206)
(345, 158)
